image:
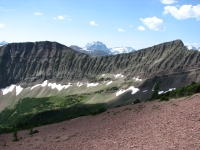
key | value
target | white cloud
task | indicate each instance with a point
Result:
(168, 1)
(2, 25)
(153, 23)
(2, 9)
(61, 17)
(121, 30)
(184, 12)
(93, 23)
(141, 28)
(37, 13)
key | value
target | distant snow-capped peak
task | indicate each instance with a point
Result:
(120, 50)
(96, 46)
(190, 47)
(3, 43)
(102, 47)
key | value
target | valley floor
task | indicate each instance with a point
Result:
(174, 124)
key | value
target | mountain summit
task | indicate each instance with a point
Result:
(102, 47)
(97, 46)
(3, 43)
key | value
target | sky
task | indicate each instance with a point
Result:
(130, 23)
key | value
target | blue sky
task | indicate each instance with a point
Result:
(132, 23)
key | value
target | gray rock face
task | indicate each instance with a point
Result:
(31, 63)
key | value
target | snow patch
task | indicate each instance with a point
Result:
(103, 75)
(92, 84)
(120, 92)
(79, 84)
(171, 89)
(109, 83)
(119, 75)
(134, 90)
(52, 85)
(8, 89)
(11, 88)
(137, 78)
(18, 89)
(44, 83)
(35, 86)
(145, 91)
(59, 87)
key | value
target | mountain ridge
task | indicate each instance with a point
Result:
(28, 63)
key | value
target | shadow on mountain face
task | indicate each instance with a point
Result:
(47, 117)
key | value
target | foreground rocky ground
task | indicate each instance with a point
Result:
(174, 124)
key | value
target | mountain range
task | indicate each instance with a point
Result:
(27, 64)
(41, 78)
(100, 49)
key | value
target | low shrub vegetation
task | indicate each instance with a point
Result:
(136, 101)
(181, 92)
(33, 112)
(177, 93)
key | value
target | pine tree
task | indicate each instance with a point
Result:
(15, 138)
(155, 91)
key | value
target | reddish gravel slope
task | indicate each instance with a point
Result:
(146, 126)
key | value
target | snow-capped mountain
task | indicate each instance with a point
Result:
(96, 46)
(102, 47)
(120, 50)
(190, 47)
(3, 43)
(89, 52)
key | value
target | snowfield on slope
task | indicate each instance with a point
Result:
(132, 88)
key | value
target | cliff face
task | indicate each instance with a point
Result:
(31, 63)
